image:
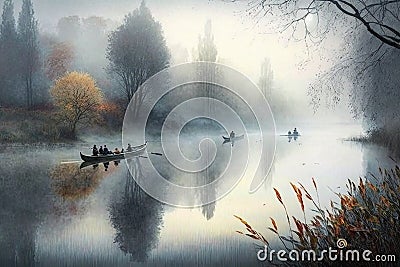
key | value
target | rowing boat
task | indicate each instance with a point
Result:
(291, 135)
(228, 139)
(137, 151)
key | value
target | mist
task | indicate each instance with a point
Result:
(241, 43)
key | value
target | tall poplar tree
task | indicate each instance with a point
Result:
(29, 48)
(8, 52)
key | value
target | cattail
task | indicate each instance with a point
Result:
(274, 224)
(278, 196)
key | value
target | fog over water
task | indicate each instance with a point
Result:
(56, 212)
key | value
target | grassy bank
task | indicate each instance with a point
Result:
(40, 127)
(29, 126)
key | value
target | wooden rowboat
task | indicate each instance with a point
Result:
(137, 151)
(291, 135)
(228, 139)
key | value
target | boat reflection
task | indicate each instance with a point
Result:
(290, 138)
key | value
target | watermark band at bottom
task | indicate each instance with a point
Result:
(330, 254)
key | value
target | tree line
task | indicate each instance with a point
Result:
(40, 69)
(19, 49)
(31, 59)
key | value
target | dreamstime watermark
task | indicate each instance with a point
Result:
(340, 253)
(188, 92)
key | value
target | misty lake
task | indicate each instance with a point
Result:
(54, 214)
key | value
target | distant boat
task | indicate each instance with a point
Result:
(228, 139)
(291, 135)
(137, 151)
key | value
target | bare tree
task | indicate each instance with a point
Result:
(381, 18)
(369, 30)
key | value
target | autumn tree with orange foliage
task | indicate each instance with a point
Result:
(59, 60)
(78, 100)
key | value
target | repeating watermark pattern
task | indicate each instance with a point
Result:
(209, 91)
(331, 254)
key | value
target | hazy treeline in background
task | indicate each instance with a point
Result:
(362, 76)
(119, 57)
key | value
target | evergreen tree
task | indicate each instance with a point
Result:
(29, 48)
(8, 52)
(7, 27)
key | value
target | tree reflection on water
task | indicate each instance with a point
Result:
(24, 203)
(70, 182)
(136, 217)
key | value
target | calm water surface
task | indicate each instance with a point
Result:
(54, 214)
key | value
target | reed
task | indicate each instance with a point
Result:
(366, 217)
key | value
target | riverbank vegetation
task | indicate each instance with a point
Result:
(388, 136)
(42, 125)
(43, 99)
(366, 217)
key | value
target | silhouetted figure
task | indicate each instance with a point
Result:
(101, 150)
(295, 132)
(95, 152)
(129, 148)
(289, 133)
(116, 151)
(106, 151)
(232, 135)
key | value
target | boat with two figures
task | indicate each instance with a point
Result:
(295, 133)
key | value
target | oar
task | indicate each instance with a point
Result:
(157, 154)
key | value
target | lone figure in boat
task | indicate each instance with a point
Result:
(129, 148)
(95, 152)
(232, 135)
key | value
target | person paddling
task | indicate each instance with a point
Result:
(129, 148)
